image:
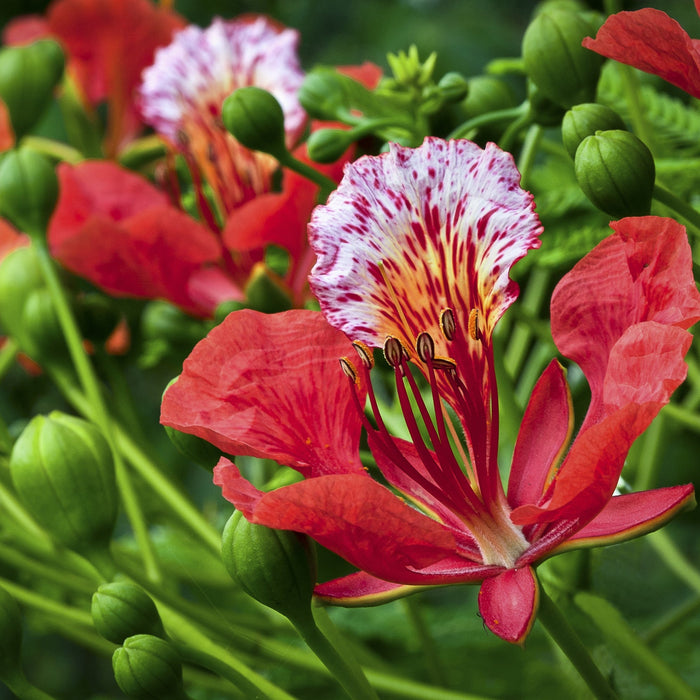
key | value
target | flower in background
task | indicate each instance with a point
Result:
(123, 234)
(108, 43)
(7, 136)
(650, 40)
(414, 255)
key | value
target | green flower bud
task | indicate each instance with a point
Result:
(148, 668)
(28, 190)
(322, 94)
(487, 94)
(97, 317)
(255, 118)
(28, 76)
(10, 636)
(191, 446)
(327, 145)
(163, 321)
(616, 172)
(120, 610)
(554, 59)
(264, 292)
(584, 120)
(453, 87)
(62, 470)
(20, 276)
(276, 567)
(43, 337)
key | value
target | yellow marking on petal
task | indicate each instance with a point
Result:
(473, 327)
(394, 298)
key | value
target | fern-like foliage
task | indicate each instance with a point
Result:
(674, 122)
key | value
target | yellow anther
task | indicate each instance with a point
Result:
(474, 330)
(365, 353)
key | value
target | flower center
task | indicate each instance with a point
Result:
(441, 478)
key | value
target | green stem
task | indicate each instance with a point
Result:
(23, 689)
(176, 501)
(412, 607)
(683, 209)
(511, 133)
(197, 647)
(649, 462)
(568, 641)
(53, 149)
(335, 654)
(671, 621)
(325, 183)
(691, 419)
(97, 413)
(640, 123)
(528, 153)
(615, 628)
(511, 113)
(674, 559)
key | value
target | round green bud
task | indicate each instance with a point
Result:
(162, 320)
(191, 446)
(255, 118)
(322, 94)
(487, 94)
(328, 145)
(44, 341)
(121, 609)
(616, 172)
(148, 668)
(453, 87)
(10, 636)
(584, 120)
(28, 76)
(62, 470)
(20, 276)
(28, 190)
(276, 567)
(554, 59)
(97, 316)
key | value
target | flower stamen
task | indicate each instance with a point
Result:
(473, 325)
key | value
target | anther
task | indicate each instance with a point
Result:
(447, 324)
(474, 330)
(348, 369)
(365, 353)
(182, 139)
(394, 352)
(444, 363)
(425, 347)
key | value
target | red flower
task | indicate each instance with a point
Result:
(414, 253)
(7, 135)
(650, 40)
(121, 233)
(108, 43)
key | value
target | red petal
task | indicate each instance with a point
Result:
(271, 386)
(10, 238)
(361, 589)
(98, 188)
(24, 30)
(350, 514)
(544, 436)
(653, 42)
(508, 603)
(631, 515)
(109, 43)
(641, 273)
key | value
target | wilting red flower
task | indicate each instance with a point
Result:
(120, 232)
(108, 43)
(650, 40)
(414, 253)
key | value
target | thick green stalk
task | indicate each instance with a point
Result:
(683, 209)
(567, 640)
(618, 632)
(97, 412)
(412, 607)
(674, 559)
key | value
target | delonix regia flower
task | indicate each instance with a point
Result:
(115, 228)
(414, 253)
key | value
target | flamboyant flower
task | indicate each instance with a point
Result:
(414, 254)
(107, 43)
(7, 136)
(119, 231)
(650, 40)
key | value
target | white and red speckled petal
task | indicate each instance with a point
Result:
(414, 231)
(201, 67)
